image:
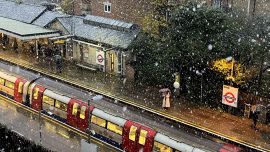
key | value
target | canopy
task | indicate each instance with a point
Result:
(24, 31)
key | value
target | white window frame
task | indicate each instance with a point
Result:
(107, 7)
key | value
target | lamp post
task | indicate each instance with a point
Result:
(228, 59)
(201, 74)
(95, 98)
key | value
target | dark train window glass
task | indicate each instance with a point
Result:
(9, 84)
(60, 105)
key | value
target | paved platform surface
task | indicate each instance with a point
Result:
(231, 126)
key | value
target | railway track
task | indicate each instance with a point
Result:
(173, 119)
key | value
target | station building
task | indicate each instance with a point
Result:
(91, 42)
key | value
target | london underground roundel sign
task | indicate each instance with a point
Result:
(230, 96)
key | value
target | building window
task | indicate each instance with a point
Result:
(107, 7)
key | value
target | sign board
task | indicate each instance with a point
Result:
(100, 57)
(230, 96)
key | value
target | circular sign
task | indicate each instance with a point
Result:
(100, 58)
(229, 97)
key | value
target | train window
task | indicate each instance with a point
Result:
(143, 136)
(2, 81)
(82, 114)
(115, 128)
(132, 133)
(75, 109)
(48, 100)
(9, 84)
(98, 121)
(162, 148)
(35, 94)
(20, 87)
(60, 105)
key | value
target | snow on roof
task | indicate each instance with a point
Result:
(21, 12)
(47, 17)
(113, 37)
(24, 31)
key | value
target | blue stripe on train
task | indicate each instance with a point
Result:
(108, 140)
(103, 138)
(7, 95)
(54, 116)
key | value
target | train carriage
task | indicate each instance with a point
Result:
(107, 126)
(18, 90)
(137, 137)
(7, 84)
(35, 92)
(78, 114)
(55, 104)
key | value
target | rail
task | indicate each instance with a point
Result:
(59, 123)
(134, 104)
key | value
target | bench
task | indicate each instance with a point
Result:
(86, 67)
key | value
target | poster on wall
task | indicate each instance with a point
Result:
(100, 57)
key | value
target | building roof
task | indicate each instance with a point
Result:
(24, 31)
(113, 37)
(108, 21)
(19, 11)
(47, 17)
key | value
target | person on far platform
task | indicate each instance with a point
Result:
(166, 104)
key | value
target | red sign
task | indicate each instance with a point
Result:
(100, 58)
(229, 97)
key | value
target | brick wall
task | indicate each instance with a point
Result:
(126, 10)
(135, 10)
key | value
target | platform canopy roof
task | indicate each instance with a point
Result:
(24, 31)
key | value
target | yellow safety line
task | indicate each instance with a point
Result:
(158, 112)
(78, 132)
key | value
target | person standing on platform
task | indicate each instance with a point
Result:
(166, 100)
(254, 117)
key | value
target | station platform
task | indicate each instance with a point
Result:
(232, 127)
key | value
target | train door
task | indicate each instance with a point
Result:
(18, 90)
(36, 96)
(137, 138)
(78, 114)
(26, 93)
(83, 116)
(72, 112)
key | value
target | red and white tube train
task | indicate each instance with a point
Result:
(60, 103)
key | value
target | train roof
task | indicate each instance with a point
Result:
(18, 72)
(109, 117)
(64, 89)
(175, 144)
(8, 77)
(56, 96)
